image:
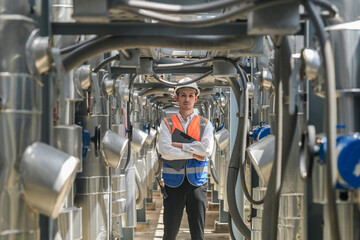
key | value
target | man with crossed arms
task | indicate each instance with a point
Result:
(185, 164)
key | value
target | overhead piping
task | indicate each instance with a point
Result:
(96, 47)
(175, 84)
(174, 8)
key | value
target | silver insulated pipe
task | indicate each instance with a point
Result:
(20, 119)
(93, 183)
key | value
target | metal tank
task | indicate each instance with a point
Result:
(20, 115)
(93, 183)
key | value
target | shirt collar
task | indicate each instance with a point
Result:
(191, 116)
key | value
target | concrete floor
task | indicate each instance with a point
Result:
(154, 227)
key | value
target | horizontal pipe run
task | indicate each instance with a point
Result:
(95, 48)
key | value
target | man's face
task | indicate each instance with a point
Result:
(186, 99)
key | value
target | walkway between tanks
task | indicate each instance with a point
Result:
(154, 227)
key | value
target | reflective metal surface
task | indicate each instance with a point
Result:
(93, 195)
(266, 79)
(47, 176)
(69, 139)
(345, 39)
(129, 219)
(70, 224)
(222, 138)
(138, 140)
(290, 215)
(62, 11)
(92, 184)
(95, 220)
(19, 7)
(311, 63)
(82, 79)
(37, 53)
(113, 148)
(94, 165)
(262, 156)
(318, 183)
(13, 43)
(20, 124)
(119, 207)
(108, 87)
(151, 136)
(349, 10)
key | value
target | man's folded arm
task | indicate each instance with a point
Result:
(203, 147)
(166, 150)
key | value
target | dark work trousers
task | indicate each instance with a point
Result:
(191, 197)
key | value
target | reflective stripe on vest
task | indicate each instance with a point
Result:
(196, 171)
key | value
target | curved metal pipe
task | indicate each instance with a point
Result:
(205, 92)
(140, 198)
(175, 8)
(106, 61)
(159, 99)
(131, 84)
(94, 48)
(206, 22)
(175, 84)
(158, 170)
(213, 172)
(150, 91)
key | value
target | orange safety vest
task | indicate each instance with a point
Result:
(196, 171)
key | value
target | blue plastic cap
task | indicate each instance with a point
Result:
(349, 160)
(264, 131)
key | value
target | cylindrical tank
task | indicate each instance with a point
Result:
(20, 120)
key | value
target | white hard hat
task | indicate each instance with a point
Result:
(192, 86)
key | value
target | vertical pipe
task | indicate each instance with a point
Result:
(20, 119)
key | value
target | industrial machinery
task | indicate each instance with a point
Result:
(84, 85)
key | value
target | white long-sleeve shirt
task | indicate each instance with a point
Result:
(204, 147)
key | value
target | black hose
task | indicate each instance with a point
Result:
(234, 166)
(131, 84)
(89, 50)
(176, 84)
(330, 116)
(106, 61)
(182, 64)
(242, 165)
(71, 48)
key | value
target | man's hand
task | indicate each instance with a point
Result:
(176, 144)
(198, 157)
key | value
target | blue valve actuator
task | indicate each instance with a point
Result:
(86, 142)
(348, 160)
(261, 132)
